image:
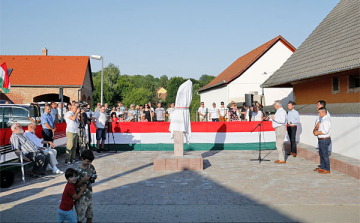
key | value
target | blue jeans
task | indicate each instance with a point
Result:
(68, 216)
(324, 153)
(100, 134)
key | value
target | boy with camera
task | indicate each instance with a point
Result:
(86, 177)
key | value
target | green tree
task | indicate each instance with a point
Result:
(137, 96)
(205, 79)
(195, 102)
(173, 85)
(163, 81)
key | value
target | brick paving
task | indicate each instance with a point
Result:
(229, 189)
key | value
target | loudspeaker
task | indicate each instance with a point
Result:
(34, 111)
(6, 178)
(248, 100)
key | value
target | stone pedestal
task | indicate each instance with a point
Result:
(178, 143)
(167, 161)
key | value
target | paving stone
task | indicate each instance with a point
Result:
(229, 189)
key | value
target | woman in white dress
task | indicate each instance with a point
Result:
(256, 114)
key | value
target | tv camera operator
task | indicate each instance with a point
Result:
(84, 122)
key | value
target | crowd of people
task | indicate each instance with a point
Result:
(223, 114)
(78, 118)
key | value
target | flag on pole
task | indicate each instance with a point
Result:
(4, 79)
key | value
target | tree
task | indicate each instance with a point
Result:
(137, 96)
(205, 79)
(163, 81)
(173, 85)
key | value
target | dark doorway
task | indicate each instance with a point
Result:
(50, 97)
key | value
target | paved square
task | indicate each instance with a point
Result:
(231, 188)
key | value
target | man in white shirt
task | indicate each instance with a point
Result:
(202, 112)
(223, 112)
(99, 119)
(170, 111)
(72, 123)
(323, 133)
(279, 124)
(321, 104)
(214, 113)
(30, 134)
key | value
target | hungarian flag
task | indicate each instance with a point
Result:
(4, 79)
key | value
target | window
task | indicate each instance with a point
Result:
(6, 111)
(354, 83)
(19, 112)
(336, 85)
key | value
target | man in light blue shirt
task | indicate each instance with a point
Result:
(48, 125)
(292, 121)
(279, 124)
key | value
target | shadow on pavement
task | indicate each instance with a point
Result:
(184, 196)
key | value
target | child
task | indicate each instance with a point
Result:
(66, 206)
(85, 205)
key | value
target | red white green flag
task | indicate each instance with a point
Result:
(4, 79)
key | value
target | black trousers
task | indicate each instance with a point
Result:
(41, 161)
(47, 136)
(292, 135)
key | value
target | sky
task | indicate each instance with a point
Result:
(185, 38)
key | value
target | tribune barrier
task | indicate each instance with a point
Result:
(152, 136)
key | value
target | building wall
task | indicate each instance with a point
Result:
(214, 95)
(251, 79)
(345, 133)
(86, 91)
(28, 93)
(321, 89)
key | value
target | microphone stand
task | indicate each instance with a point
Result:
(259, 158)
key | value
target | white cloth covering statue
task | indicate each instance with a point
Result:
(180, 119)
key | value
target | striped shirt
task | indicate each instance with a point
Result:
(22, 143)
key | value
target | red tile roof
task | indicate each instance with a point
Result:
(47, 70)
(243, 63)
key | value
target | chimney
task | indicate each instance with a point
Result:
(44, 51)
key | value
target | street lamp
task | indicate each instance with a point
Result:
(97, 57)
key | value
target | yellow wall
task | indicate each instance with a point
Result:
(321, 89)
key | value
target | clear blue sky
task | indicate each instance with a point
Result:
(185, 38)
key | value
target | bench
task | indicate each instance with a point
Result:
(9, 158)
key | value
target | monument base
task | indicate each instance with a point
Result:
(167, 161)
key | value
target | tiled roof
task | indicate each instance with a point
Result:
(243, 63)
(46, 70)
(332, 47)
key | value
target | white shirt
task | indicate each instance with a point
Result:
(170, 112)
(223, 111)
(33, 138)
(325, 127)
(71, 126)
(100, 119)
(318, 119)
(202, 110)
(280, 118)
(214, 112)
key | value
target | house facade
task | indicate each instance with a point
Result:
(247, 73)
(38, 78)
(326, 66)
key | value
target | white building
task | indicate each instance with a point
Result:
(247, 73)
(326, 66)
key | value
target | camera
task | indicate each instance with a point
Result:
(92, 178)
